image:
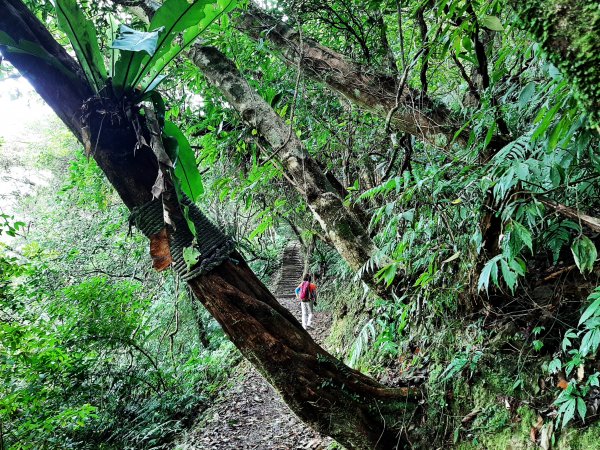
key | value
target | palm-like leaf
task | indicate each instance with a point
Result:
(33, 49)
(134, 47)
(186, 168)
(82, 35)
(178, 16)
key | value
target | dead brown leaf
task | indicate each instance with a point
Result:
(540, 423)
(562, 380)
(533, 434)
(159, 185)
(86, 136)
(160, 252)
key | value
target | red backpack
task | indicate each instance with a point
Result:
(305, 290)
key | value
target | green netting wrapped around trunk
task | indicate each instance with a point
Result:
(214, 246)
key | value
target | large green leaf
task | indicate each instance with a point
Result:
(135, 48)
(126, 69)
(491, 23)
(186, 169)
(594, 308)
(177, 15)
(584, 253)
(489, 272)
(82, 35)
(180, 16)
(137, 41)
(112, 30)
(523, 235)
(526, 94)
(510, 277)
(33, 49)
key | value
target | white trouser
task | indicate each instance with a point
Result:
(307, 313)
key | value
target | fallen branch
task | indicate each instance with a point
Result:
(558, 273)
(593, 223)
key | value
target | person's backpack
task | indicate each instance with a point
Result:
(305, 290)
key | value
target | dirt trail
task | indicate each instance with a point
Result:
(250, 414)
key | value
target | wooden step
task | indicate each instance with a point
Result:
(290, 272)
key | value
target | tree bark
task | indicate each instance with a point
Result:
(308, 252)
(416, 114)
(330, 397)
(345, 227)
(342, 227)
(200, 325)
(569, 31)
(334, 399)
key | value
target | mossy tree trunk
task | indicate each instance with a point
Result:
(334, 399)
(414, 113)
(341, 225)
(345, 227)
(569, 32)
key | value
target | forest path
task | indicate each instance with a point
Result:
(251, 415)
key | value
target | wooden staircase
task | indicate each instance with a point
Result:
(290, 273)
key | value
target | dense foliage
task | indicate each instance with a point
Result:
(97, 351)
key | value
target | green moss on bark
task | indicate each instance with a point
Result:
(569, 31)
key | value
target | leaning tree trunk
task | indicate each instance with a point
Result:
(343, 228)
(569, 31)
(413, 113)
(334, 399)
(329, 396)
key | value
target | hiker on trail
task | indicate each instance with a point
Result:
(307, 294)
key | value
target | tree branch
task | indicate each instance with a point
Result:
(593, 223)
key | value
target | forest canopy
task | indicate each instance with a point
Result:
(433, 163)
